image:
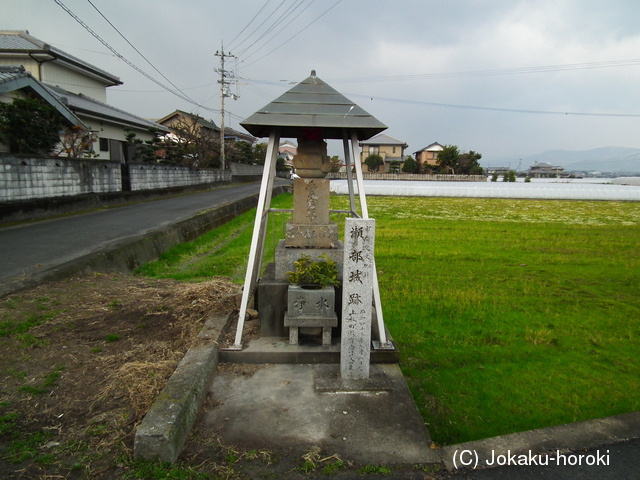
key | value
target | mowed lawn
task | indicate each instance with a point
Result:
(512, 314)
(509, 314)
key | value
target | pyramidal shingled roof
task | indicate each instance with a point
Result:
(313, 104)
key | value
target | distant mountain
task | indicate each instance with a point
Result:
(607, 159)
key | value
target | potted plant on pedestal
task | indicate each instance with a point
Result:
(311, 297)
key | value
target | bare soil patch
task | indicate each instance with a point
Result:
(82, 361)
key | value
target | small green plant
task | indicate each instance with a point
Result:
(311, 272)
(115, 305)
(375, 470)
(156, 470)
(112, 337)
(333, 467)
(8, 421)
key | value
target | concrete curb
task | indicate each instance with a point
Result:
(164, 429)
(544, 441)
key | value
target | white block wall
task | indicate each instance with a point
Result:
(31, 178)
(149, 177)
(34, 178)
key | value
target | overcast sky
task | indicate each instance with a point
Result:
(505, 78)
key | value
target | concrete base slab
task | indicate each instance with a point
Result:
(280, 408)
(309, 350)
(329, 380)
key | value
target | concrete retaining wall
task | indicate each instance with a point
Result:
(150, 177)
(30, 178)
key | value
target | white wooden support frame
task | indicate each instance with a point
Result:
(257, 240)
(384, 343)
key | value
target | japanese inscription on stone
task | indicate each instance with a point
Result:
(357, 298)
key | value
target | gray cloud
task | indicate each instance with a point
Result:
(383, 40)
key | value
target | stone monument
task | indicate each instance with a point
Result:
(357, 298)
(312, 112)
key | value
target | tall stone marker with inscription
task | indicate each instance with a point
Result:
(357, 298)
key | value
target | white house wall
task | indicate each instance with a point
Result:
(113, 131)
(57, 75)
(28, 63)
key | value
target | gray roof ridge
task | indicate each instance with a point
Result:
(58, 91)
(372, 140)
(46, 47)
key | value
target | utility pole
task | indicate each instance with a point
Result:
(224, 92)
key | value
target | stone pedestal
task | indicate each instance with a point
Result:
(271, 303)
(310, 307)
(310, 226)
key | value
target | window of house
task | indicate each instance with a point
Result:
(374, 150)
(104, 144)
(394, 149)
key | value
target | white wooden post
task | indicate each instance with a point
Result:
(347, 160)
(365, 214)
(266, 190)
(359, 179)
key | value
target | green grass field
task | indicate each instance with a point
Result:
(509, 314)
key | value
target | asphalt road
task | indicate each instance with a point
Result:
(30, 248)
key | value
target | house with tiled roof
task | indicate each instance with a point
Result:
(545, 170)
(390, 149)
(428, 155)
(186, 118)
(17, 82)
(76, 84)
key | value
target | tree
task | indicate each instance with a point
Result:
(240, 152)
(394, 167)
(77, 142)
(468, 163)
(373, 162)
(409, 165)
(509, 176)
(281, 166)
(336, 164)
(259, 153)
(144, 150)
(29, 125)
(448, 159)
(191, 144)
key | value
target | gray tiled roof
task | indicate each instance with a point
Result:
(16, 78)
(313, 104)
(8, 74)
(14, 41)
(81, 104)
(382, 139)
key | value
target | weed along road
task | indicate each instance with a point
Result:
(38, 251)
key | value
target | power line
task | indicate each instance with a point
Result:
(281, 20)
(295, 35)
(247, 26)
(493, 109)
(496, 72)
(283, 28)
(121, 57)
(258, 27)
(138, 51)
